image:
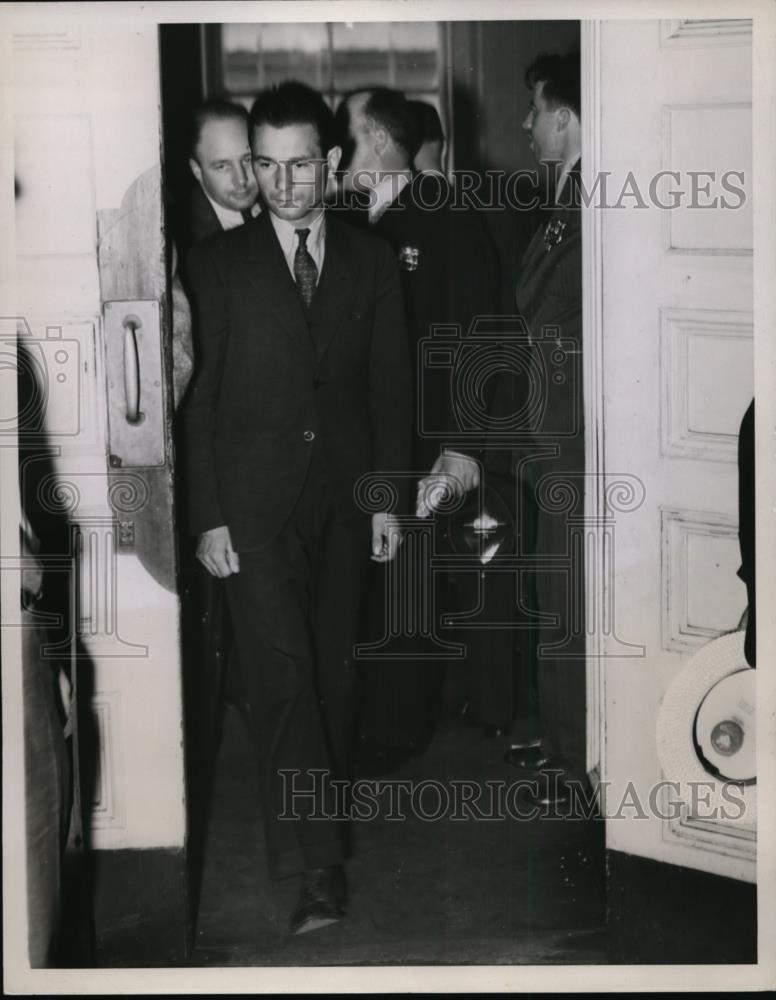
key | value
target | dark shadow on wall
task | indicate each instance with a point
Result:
(60, 756)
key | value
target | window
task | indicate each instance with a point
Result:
(242, 59)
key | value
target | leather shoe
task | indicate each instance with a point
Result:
(528, 759)
(550, 794)
(525, 744)
(321, 899)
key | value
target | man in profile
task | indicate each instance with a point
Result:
(448, 274)
(303, 390)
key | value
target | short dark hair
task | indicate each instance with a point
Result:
(214, 109)
(560, 76)
(427, 122)
(294, 103)
(391, 109)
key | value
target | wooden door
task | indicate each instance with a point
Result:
(669, 322)
(91, 292)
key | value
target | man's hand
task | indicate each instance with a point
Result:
(216, 554)
(451, 476)
(386, 537)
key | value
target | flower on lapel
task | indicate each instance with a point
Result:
(553, 233)
(409, 258)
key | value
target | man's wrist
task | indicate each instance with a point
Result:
(452, 453)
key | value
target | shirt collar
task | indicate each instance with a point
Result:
(286, 232)
(228, 217)
(566, 169)
(386, 191)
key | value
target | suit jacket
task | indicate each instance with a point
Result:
(455, 281)
(545, 393)
(271, 375)
(197, 220)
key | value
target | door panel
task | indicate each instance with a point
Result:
(90, 239)
(674, 337)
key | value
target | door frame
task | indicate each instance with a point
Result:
(592, 362)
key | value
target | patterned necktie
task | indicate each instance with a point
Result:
(305, 271)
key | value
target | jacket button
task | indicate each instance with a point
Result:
(308, 435)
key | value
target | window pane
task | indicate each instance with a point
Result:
(416, 45)
(394, 54)
(332, 58)
(361, 55)
(258, 55)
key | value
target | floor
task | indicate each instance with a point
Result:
(442, 891)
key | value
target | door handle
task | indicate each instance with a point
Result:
(132, 370)
(135, 375)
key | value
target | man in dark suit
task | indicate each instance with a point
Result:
(547, 453)
(549, 298)
(303, 388)
(448, 274)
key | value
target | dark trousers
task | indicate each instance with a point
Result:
(560, 576)
(403, 652)
(496, 599)
(500, 644)
(294, 608)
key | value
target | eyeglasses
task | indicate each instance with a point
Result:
(298, 167)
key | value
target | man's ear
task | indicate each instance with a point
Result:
(564, 117)
(196, 169)
(381, 138)
(333, 157)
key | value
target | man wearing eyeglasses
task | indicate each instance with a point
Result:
(304, 388)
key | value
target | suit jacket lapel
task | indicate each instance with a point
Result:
(335, 286)
(202, 221)
(538, 259)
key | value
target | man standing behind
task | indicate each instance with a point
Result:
(549, 455)
(448, 274)
(303, 388)
(225, 192)
(549, 297)
(222, 196)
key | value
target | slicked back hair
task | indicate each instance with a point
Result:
(215, 109)
(427, 122)
(294, 103)
(560, 78)
(391, 110)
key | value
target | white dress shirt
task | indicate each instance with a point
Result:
(386, 191)
(564, 172)
(228, 217)
(316, 240)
